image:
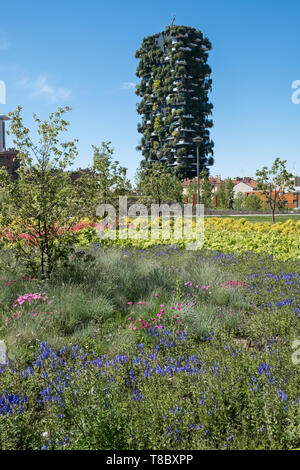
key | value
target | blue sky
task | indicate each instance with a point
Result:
(81, 54)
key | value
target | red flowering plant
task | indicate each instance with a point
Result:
(156, 316)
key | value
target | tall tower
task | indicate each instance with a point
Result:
(8, 157)
(174, 87)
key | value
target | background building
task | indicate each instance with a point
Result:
(289, 200)
(175, 81)
(215, 182)
(243, 185)
(8, 157)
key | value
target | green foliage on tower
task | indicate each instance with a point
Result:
(174, 106)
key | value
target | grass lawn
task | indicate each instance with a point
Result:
(151, 349)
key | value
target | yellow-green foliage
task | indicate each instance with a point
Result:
(156, 85)
(242, 225)
(281, 240)
(156, 123)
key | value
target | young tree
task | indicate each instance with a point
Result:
(239, 201)
(192, 189)
(253, 202)
(206, 191)
(222, 196)
(229, 186)
(157, 183)
(104, 181)
(110, 176)
(273, 183)
(44, 199)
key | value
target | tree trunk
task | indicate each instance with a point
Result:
(273, 215)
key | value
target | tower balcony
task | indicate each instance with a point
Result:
(180, 36)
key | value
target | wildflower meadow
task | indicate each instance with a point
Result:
(130, 349)
(112, 339)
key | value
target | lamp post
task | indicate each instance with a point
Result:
(198, 141)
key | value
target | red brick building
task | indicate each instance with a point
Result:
(9, 160)
(289, 200)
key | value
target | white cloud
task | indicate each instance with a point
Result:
(41, 88)
(128, 86)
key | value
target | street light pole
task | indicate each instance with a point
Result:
(197, 141)
(198, 176)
